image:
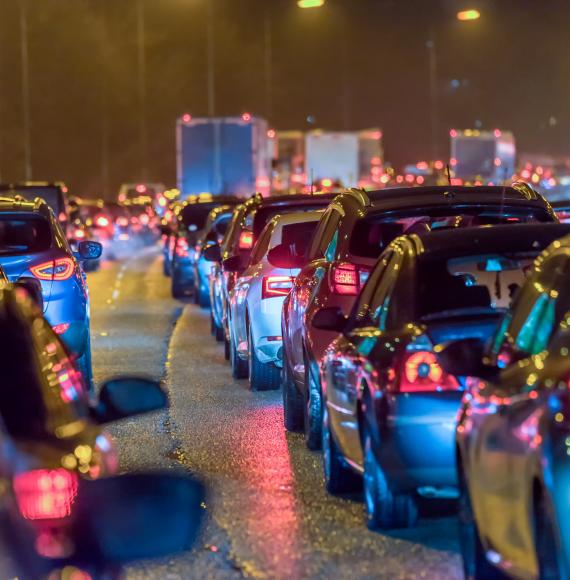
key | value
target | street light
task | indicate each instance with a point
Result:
(310, 3)
(466, 15)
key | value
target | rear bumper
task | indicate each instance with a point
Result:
(418, 451)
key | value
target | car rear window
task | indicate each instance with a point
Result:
(23, 234)
(264, 214)
(489, 281)
(194, 216)
(372, 234)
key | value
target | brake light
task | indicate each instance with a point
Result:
(182, 248)
(102, 221)
(60, 328)
(422, 372)
(122, 221)
(79, 234)
(45, 494)
(245, 240)
(348, 279)
(60, 269)
(273, 286)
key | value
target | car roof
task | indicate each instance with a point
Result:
(405, 197)
(486, 239)
(16, 204)
(296, 217)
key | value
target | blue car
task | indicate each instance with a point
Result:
(34, 250)
(513, 432)
(390, 408)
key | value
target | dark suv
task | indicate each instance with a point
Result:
(350, 236)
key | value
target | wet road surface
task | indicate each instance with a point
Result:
(268, 515)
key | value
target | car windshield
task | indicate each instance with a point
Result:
(471, 282)
(372, 234)
(24, 234)
(194, 216)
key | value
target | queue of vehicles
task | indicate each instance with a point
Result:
(419, 339)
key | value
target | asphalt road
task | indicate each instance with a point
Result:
(268, 515)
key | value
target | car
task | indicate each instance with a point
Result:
(389, 409)
(33, 245)
(51, 431)
(562, 209)
(186, 231)
(231, 256)
(513, 431)
(256, 300)
(216, 226)
(53, 193)
(351, 234)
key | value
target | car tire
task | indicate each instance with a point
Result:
(546, 542)
(262, 376)
(475, 564)
(339, 478)
(384, 509)
(292, 399)
(239, 366)
(312, 410)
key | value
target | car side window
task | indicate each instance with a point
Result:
(382, 300)
(324, 234)
(537, 311)
(362, 313)
(262, 245)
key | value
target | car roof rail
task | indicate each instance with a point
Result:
(526, 190)
(360, 194)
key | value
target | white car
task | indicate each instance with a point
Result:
(256, 300)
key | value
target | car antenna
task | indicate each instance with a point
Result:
(448, 173)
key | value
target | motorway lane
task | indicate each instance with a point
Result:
(269, 515)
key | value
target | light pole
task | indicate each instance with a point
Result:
(141, 69)
(26, 89)
(211, 58)
(462, 16)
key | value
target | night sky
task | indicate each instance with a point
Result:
(507, 70)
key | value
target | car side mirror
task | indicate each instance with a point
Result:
(331, 318)
(212, 253)
(89, 250)
(33, 287)
(127, 396)
(234, 264)
(283, 256)
(465, 358)
(121, 519)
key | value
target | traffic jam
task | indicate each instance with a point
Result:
(305, 344)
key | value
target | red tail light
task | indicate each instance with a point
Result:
(61, 269)
(61, 328)
(273, 286)
(182, 248)
(348, 279)
(245, 240)
(422, 373)
(122, 222)
(102, 221)
(45, 494)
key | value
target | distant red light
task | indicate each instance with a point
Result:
(497, 133)
(438, 164)
(410, 178)
(271, 133)
(420, 179)
(186, 118)
(326, 182)
(498, 162)
(79, 234)
(453, 133)
(246, 117)
(453, 162)
(245, 240)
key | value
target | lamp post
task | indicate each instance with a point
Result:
(462, 16)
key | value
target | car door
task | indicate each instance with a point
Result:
(304, 290)
(506, 415)
(350, 366)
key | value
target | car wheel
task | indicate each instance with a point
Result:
(262, 376)
(475, 564)
(313, 419)
(546, 543)
(339, 478)
(239, 366)
(292, 399)
(384, 509)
